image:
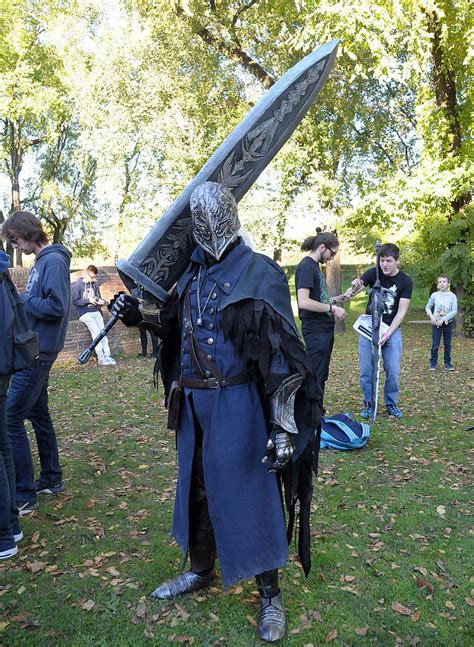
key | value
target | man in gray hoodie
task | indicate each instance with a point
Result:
(46, 302)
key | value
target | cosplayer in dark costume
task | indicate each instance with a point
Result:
(232, 360)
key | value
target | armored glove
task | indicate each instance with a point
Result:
(125, 308)
(281, 446)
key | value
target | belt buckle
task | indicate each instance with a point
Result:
(212, 383)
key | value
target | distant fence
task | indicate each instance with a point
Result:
(122, 340)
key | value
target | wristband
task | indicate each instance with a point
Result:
(330, 308)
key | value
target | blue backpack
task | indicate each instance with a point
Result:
(341, 432)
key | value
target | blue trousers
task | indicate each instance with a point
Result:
(8, 509)
(446, 332)
(392, 355)
(28, 400)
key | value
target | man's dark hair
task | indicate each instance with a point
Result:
(389, 249)
(328, 238)
(93, 269)
(24, 225)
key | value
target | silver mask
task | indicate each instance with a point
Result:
(215, 221)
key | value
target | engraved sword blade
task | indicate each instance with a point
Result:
(161, 258)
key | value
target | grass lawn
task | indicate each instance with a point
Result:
(392, 550)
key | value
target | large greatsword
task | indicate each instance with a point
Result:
(376, 304)
(163, 255)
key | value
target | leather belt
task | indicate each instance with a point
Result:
(214, 383)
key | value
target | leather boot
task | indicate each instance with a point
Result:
(272, 620)
(188, 582)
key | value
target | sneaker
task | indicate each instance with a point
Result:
(367, 411)
(17, 536)
(110, 361)
(49, 489)
(449, 367)
(432, 367)
(27, 507)
(394, 411)
(9, 552)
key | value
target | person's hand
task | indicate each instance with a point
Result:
(348, 294)
(125, 308)
(433, 320)
(339, 312)
(384, 339)
(280, 447)
(99, 302)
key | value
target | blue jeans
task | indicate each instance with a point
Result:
(445, 331)
(28, 399)
(8, 509)
(392, 355)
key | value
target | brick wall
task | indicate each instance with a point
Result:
(122, 340)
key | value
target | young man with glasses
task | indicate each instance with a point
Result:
(46, 303)
(316, 310)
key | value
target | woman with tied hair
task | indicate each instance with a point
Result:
(316, 310)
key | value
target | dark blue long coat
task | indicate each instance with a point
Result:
(244, 499)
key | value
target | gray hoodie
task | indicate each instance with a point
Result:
(47, 298)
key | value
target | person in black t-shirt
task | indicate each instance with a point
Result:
(316, 310)
(396, 296)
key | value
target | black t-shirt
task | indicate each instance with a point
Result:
(399, 287)
(309, 276)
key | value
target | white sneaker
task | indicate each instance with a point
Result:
(110, 360)
(10, 552)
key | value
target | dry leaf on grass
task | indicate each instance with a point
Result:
(332, 635)
(35, 567)
(88, 605)
(399, 608)
(252, 620)
(361, 631)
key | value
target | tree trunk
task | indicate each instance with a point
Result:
(446, 100)
(16, 163)
(334, 282)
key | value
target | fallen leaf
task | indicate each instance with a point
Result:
(441, 510)
(88, 605)
(252, 620)
(35, 567)
(450, 605)
(331, 635)
(469, 601)
(399, 608)
(421, 570)
(415, 616)
(181, 639)
(3, 625)
(361, 631)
